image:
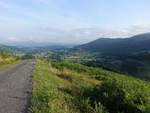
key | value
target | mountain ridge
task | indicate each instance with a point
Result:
(135, 43)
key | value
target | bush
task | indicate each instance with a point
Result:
(116, 97)
(117, 93)
(27, 57)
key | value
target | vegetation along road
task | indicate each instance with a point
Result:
(15, 83)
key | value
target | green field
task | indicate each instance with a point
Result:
(60, 87)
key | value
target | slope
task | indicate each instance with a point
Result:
(136, 43)
(72, 88)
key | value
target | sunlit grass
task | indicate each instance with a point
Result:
(51, 89)
(6, 60)
(71, 88)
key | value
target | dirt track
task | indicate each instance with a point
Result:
(15, 85)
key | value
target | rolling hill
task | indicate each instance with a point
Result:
(19, 50)
(124, 55)
(136, 43)
(10, 49)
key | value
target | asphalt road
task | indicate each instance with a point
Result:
(15, 85)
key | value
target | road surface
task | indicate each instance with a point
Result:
(15, 85)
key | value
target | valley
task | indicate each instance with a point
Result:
(81, 80)
(74, 56)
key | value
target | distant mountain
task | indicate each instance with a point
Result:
(124, 55)
(31, 49)
(10, 49)
(36, 44)
(117, 46)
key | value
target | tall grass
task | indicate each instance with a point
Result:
(72, 88)
(7, 59)
(55, 91)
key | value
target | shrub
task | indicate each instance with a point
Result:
(117, 93)
(27, 57)
(116, 97)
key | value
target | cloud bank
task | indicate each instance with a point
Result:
(61, 21)
(82, 35)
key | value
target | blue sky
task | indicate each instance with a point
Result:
(72, 21)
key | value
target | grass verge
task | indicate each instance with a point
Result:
(6, 60)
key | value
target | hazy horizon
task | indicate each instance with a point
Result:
(72, 21)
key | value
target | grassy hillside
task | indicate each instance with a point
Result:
(60, 87)
(7, 59)
(135, 64)
(129, 56)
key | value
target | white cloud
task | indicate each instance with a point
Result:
(14, 29)
(48, 34)
(13, 39)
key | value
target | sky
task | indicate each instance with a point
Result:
(72, 21)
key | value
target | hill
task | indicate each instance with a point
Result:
(124, 55)
(60, 87)
(41, 51)
(136, 43)
(10, 49)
